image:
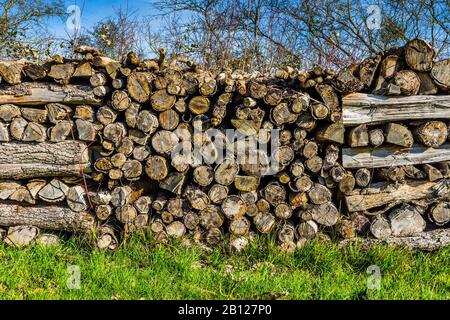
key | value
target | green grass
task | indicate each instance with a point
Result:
(143, 270)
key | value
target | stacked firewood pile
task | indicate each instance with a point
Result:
(110, 148)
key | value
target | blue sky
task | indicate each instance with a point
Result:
(96, 10)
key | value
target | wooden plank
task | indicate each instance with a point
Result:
(411, 190)
(49, 217)
(423, 241)
(360, 108)
(38, 93)
(387, 156)
(28, 160)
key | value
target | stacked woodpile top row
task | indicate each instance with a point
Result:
(88, 145)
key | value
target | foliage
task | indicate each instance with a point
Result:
(20, 25)
(141, 269)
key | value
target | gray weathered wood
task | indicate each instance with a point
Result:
(387, 156)
(45, 217)
(359, 108)
(35, 93)
(424, 241)
(411, 190)
(25, 161)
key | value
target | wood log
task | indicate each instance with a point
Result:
(419, 55)
(376, 137)
(393, 156)
(346, 81)
(34, 132)
(399, 135)
(440, 74)
(106, 238)
(333, 133)
(439, 213)
(38, 93)
(432, 133)
(380, 228)
(325, 214)
(283, 211)
(286, 233)
(11, 71)
(21, 236)
(217, 193)
(368, 69)
(49, 217)
(77, 199)
(363, 177)
(411, 190)
(103, 212)
(120, 100)
(24, 161)
(156, 168)
(233, 207)
(8, 112)
(307, 229)
(264, 222)
(210, 217)
(61, 73)
(406, 221)
(139, 86)
(358, 136)
(408, 81)
(424, 241)
(240, 226)
(54, 191)
(274, 194)
(390, 66)
(427, 85)
(432, 173)
(319, 194)
(360, 108)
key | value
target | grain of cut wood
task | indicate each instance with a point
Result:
(387, 156)
(425, 241)
(441, 74)
(50, 217)
(38, 93)
(360, 108)
(24, 161)
(411, 190)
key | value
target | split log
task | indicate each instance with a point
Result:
(390, 66)
(21, 236)
(440, 74)
(399, 135)
(358, 136)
